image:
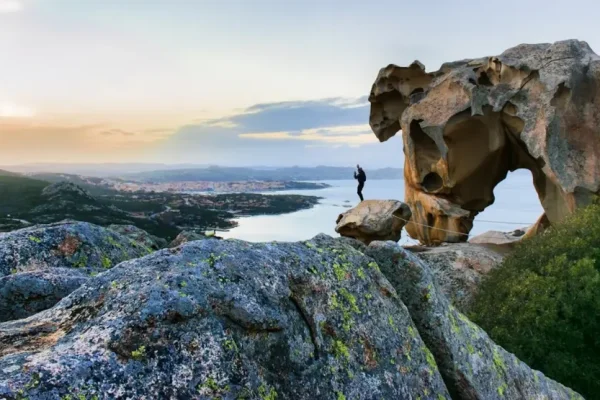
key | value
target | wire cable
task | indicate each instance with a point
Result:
(455, 232)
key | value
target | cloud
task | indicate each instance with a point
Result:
(293, 116)
(326, 131)
(9, 110)
(10, 6)
(116, 132)
(350, 135)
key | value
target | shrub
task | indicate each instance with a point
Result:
(543, 302)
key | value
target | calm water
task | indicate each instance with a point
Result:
(516, 201)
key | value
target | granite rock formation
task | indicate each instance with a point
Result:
(473, 366)
(374, 220)
(225, 319)
(458, 268)
(42, 264)
(229, 319)
(465, 126)
(140, 236)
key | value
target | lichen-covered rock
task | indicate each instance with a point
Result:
(464, 127)
(26, 293)
(186, 236)
(458, 268)
(33, 262)
(374, 220)
(140, 236)
(225, 319)
(472, 365)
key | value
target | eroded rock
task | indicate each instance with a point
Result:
(374, 220)
(470, 123)
(226, 319)
(42, 264)
(458, 268)
(473, 366)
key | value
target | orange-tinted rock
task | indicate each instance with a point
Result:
(467, 125)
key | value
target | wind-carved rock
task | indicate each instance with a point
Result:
(467, 125)
(374, 220)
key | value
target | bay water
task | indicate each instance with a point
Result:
(516, 206)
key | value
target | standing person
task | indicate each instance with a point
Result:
(362, 178)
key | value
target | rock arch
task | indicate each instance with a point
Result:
(468, 124)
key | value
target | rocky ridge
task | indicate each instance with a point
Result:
(229, 319)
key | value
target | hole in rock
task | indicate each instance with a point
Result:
(425, 146)
(484, 79)
(516, 201)
(432, 182)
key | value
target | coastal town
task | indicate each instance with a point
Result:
(214, 187)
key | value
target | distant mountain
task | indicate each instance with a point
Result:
(97, 170)
(145, 170)
(223, 174)
(8, 173)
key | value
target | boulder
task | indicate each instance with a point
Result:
(458, 268)
(467, 125)
(186, 236)
(374, 220)
(499, 238)
(473, 366)
(225, 319)
(26, 293)
(140, 236)
(44, 263)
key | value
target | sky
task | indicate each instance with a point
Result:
(247, 82)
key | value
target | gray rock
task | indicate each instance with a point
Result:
(186, 236)
(225, 319)
(472, 365)
(33, 263)
(140, 236)
(24, 294)
(459, 268)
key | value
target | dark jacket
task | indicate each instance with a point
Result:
(361, 176)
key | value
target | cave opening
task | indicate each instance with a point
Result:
(516, 205)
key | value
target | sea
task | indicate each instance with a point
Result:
(516, 206)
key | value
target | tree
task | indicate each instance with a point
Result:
(543, 302)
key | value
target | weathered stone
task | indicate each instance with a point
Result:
(33, 262)
(458, 268)
(186, 236)
(140, 236)
(225, 319)
(26, 293)
(470, 123)
(499, 238)
(472, 365)
(374, 220)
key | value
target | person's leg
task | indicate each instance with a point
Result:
(359, 191)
